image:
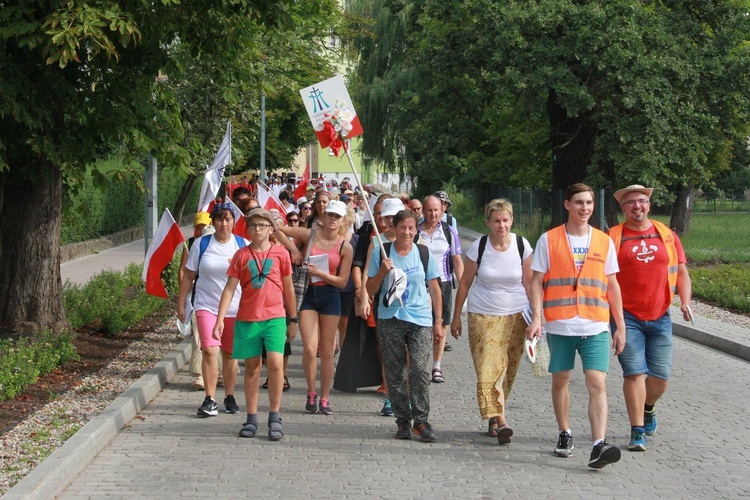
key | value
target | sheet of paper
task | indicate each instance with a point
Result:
(321, 262)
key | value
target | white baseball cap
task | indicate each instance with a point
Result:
(336, 207)
(391, 206)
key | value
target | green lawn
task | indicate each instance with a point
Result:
(725, 285)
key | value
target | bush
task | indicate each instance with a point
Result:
(114, 299)
(25, 360)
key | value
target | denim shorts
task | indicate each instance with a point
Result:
(593, 349)
(323, 299)
(648, 347)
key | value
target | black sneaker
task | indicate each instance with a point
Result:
(230, 405)
(425, 432)
(325, 407)
(564, 445)
(404, 430)
(311, 406)
(603, 454)
(209, 408)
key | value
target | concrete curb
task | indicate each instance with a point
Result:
(57, 471)
(724, 345)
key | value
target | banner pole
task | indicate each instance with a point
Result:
(366, 196)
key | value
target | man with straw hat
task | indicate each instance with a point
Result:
(652, 268)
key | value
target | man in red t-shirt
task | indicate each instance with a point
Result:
(652, 268)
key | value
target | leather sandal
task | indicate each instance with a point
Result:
(493, 426)
(437, 376)
(286, 384)
(504, 433)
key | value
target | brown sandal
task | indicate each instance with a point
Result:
(504, 433)
(493, 426)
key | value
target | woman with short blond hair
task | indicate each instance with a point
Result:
(496, 277)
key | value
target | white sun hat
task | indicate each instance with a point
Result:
(396, 287)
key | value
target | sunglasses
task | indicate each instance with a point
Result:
(306, 208)
(292, 221)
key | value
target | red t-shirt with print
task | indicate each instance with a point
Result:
(643, 273)
(260, 275)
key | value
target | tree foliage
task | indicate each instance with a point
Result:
(612, 93)
(85, 80)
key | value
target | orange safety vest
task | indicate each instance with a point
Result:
(564, 295)
(667, 238)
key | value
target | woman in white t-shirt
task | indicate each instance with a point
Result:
(496, 301)
(207, 265)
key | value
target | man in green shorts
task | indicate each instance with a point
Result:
(264, 271)
(574, 282)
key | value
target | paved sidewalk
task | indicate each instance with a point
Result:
(81, 270)
(699, 450)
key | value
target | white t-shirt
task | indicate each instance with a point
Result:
(212, 274)
(441, 250)
(540, 262)
(498, 289)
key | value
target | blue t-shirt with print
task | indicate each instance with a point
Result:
(417, 307)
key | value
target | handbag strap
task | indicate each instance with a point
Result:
(309, 244)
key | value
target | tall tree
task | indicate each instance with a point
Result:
(78, 79)
(278, 64)
(632, 91)
(646, 92)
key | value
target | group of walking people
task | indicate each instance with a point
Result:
(594, 293)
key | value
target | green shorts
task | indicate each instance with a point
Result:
(251, 336)
(593, 349)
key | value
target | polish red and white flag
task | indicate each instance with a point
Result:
(166, 240)
(270, 201)
(301, 188)
(240, 228)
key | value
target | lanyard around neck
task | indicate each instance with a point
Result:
(588, 246)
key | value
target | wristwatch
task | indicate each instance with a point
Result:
(294, 320)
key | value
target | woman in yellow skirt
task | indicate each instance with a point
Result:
(495, 280)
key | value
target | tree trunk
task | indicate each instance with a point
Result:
(187, 188)
(31, 291)
(572, 141)
(683, 206)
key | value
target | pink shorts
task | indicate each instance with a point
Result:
(206, 322)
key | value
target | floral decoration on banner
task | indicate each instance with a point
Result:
(337, 126)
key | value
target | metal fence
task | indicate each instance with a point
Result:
(718, 229)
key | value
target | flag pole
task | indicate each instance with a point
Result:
(366, 196)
